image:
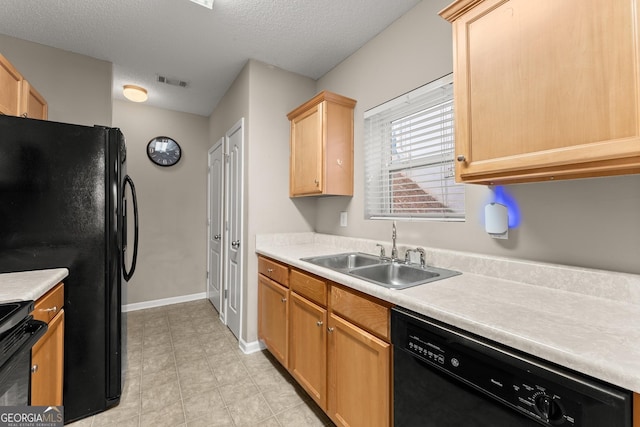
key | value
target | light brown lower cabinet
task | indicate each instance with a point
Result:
(338, 346)
(636, 410)
(308, 347)
(359, 379)
(47, 355)
(273, 312)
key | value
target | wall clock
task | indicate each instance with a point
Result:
(164, 151)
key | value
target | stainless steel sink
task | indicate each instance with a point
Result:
(396, 275)
(383, 272)
(345, 261)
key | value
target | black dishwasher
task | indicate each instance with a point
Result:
(445, 377)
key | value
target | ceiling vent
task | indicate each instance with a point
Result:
(172, 81)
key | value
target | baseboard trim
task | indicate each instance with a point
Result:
(165, 301)
(251, 347)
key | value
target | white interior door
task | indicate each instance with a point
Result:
(233, 245)
(215, 224)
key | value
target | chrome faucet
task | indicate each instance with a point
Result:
(423, 256)
(394, 250)
(382, 254)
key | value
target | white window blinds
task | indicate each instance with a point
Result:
(409, 152)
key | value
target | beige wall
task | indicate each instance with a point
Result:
(263, 95)
(76, 87)
(273, 93)
(591, 223)
(171, 201)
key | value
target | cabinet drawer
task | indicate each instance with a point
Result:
(49, 304)
(274, 270)
(361, 310)
(310, 287)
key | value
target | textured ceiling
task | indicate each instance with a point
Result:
(207, 48)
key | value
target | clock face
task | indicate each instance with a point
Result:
(163, 151)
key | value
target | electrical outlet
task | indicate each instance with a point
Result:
(343, 219)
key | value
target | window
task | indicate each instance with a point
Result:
(409, 156)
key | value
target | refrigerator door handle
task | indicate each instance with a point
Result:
(129, 274)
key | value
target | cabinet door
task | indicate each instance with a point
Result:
(10, 88)
(546, 89)
(306, 152)
(273, 311)
(359, 376)
(308, 347)
(47, 361)
(33, 105)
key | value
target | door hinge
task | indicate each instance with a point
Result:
(207, 274)
(226, 293)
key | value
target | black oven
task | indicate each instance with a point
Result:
(445, 377)
(18, 333)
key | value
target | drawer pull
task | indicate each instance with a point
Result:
(269, 270)
(283, 299)
(330, 329)
(34, 369)
(47, 310)
(319, 323)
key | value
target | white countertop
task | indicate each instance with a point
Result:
(586, 320)
(29, 285)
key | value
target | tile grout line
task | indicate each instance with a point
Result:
(175, 363)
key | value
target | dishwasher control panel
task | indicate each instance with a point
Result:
(520, 390)
(544, 393)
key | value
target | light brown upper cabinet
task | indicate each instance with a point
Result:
(321, 161)
(545, 89)
(10, 88)
(33, 105)
(17, 96)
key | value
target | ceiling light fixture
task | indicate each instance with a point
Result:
(206, 3)
(134, 93)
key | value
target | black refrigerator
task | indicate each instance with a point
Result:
(63, 203)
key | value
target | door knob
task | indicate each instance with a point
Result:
(235, 244)
(216, 237)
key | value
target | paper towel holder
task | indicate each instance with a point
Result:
(496, 220)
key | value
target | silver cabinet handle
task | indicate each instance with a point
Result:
(319, 323)
(235, 244)
(330, 329)
(34, 369)
(46, 310)
(269, 270)
(216, 237)
(461, 158)
(283, 299)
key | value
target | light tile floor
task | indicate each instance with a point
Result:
(185, 369)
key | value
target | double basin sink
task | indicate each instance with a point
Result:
(391, 274)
